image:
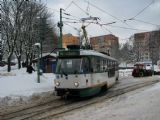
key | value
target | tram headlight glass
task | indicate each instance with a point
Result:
(57, 83)
(76, 84)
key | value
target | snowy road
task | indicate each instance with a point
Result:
(142, 104)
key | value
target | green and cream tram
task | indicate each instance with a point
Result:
(84, 72)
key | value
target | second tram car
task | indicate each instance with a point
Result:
(84, 72)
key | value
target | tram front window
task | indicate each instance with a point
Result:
(72, 66)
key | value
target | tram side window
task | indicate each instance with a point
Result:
(101, 65)
(108, 63)
(95, 64)
(98, 64)
(85, 65)
(104, 65)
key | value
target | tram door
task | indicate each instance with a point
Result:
(111, 72)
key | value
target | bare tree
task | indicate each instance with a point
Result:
(10, 13)
(23, 24)
(30, 29)
(126, 53)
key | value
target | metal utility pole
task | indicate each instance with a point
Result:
(38, 45)
(60, 25)
(38, 66)
(42, 38)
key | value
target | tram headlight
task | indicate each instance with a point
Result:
(76, 84)
(57, 83)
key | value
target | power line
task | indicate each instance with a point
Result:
(64, 13)
(87, 9)
(69, 5)
(72, 27)
(81, 9)
(68, 14)
(127, 28)
(70, 18)
(143, 9)
(70, 22)
(146, 22)
(138, 20)
(122, 21)
(106, 29)
(104, 11)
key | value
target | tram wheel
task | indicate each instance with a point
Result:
(104, 88)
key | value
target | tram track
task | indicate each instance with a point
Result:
(58, 106)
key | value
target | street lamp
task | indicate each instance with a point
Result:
(38, 45)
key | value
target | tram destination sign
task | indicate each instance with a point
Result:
(69, 53)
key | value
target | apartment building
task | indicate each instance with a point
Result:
(69, 39)
(106, 43)
(147, 46)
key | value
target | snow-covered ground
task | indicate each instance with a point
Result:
(125, 72)
(18, 83)
(142, 104)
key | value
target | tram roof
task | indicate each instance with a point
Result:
(95, 53)
(86, 53)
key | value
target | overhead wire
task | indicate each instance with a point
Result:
(70, 18)
(145, 22)
(68, 5)
(78, 20)
(127, 28)
(81, 9)
(133, 18)
(87, 9)
(78, 30)
(72, 27)
(70, 22)
(143, 9)
(64, 13)
(100, 9)
(123, 21)
(68, 14)
(106, 29)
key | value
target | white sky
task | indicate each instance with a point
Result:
(119, 9)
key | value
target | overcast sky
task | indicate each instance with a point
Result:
(109, 11)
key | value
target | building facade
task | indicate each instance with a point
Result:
(141, 46)
(146, 46)
(106, 43)
(69, 39)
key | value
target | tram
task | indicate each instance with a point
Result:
(83, 73)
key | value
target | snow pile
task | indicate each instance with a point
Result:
(125, 72)
(19, 85)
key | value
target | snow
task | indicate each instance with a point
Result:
(18, 83)
(142, 104)
(125, 72)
